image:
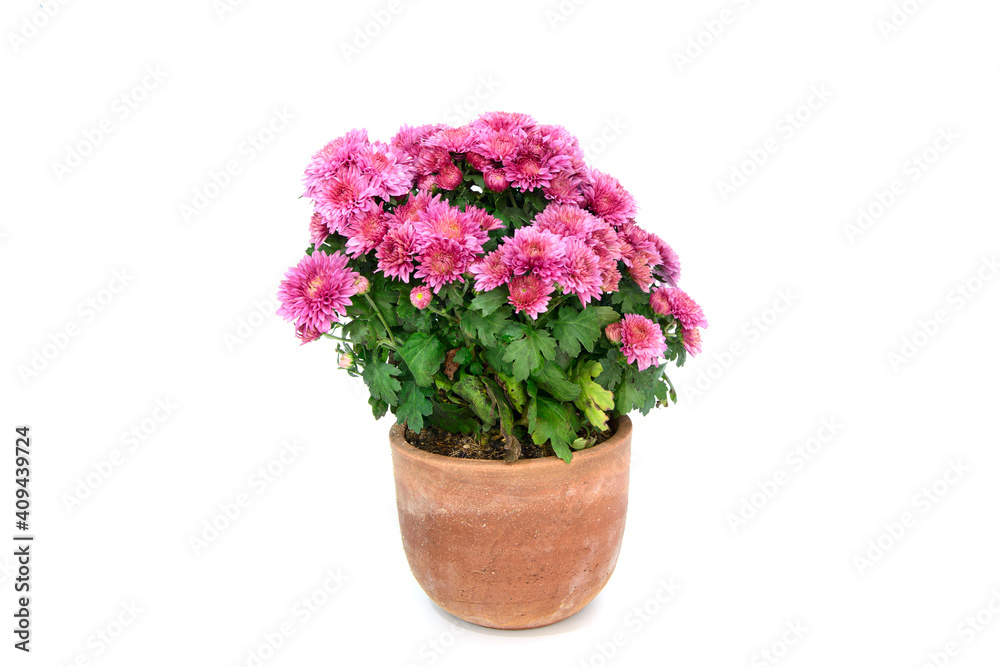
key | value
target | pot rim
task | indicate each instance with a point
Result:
(399, 444)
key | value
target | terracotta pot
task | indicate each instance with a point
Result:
(513, 546)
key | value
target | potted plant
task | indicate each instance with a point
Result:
(497, 296)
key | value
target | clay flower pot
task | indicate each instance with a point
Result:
(513, 546)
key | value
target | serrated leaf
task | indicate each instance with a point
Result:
(594, 399)
(637, 390)
(554, 422)
(527, 354)
(485, 328)
(514, 390)
(503, 407)
(611, 373)
(553, 379)
(414, 405)
(378, 407)
(472, 389)
(381, 381)
(487, 302)
(575, 328)
(423, 354)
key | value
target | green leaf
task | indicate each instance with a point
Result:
(453, 418)
(378, 407)
(379, 376)
(528, 353)
(611, 374)
(487, 302)
(472, 389)
(575, 328)
(485, 329)
(553, 379)
(553, 421)
(637, 390)
(503, 408)
(414, 405)
(594, 399)
(514, 389)
(423, 354)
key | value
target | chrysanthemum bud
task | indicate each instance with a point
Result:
(420, 296)
(450, 177)
(614, 332)
(477, 161)
(362, 284)
(495, 180)
(345, 360)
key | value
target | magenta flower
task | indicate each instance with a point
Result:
(317, 290)
(490, 272)
(328, 160)
(606, 197)
(567, 220)
(318, 231)
(306, 334)
(504, 121)
(454, 139)
(691, 338)
(538, 251)
(397, 253)
(365, 232)
(675, 301)
(530, 294)
(527, 173)
(389, 175)
(344, 195)
(420, 296)
(443, 261)
(449, 177)
(642, 340)
(670, 264)
(495, 179)
(582, 275)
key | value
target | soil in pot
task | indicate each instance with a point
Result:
(490, 447)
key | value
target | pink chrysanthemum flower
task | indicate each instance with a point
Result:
(499, 146)
(614, 332)
(527, 173)
(641, 272)
(670, 264)
(477, 161)
(642, 340)
(538, 251)
(397, 253)
(329, 159)
(454, 139)
(307, 334)
(530, 294)
(443, 261)
(414, 206)
(582, 275)
(610, 276)
(495, 179)
(675, 301)
(421, 297)
(606, 197)
(567, 220)
(564, 188)
(440, 220)
(691, 338)
(449, 177)
(389, 175)
(490, 272)
(365, 232)
(317, 290)
(344, 195)
(318, 231)
(505, 121)
(485, 222)
(637, 243)
(430, 160)
(409, 140)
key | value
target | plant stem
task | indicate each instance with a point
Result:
(442, 314)
(379, 313)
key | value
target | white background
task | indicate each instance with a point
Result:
(185, 328)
